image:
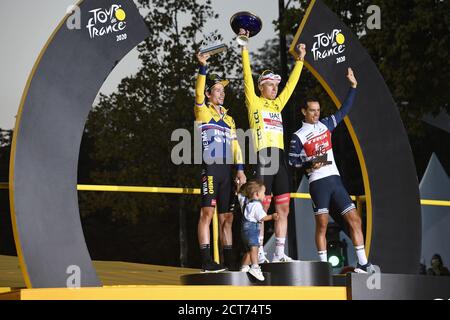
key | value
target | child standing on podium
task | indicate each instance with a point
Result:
(251, 195)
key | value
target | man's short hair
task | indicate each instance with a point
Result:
(309, 99)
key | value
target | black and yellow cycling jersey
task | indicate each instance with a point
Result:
(218, 130)
(264, 114)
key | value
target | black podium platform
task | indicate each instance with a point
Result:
(385, 286)
(295, 273)
(299, 273)
(231, 278)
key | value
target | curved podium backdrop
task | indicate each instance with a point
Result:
(57, 99)
(393, 234)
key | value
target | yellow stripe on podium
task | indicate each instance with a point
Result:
(182, 293)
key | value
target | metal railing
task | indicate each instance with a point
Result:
(110, 188)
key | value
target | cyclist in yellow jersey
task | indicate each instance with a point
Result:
(264, 113)
(220, 150)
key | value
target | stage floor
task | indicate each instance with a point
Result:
(134, 281)
(109, 272)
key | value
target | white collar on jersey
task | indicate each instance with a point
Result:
(309, 125)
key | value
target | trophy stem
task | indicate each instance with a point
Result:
(242, 40)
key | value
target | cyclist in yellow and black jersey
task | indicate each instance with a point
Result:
(220, 151)
(264, 114)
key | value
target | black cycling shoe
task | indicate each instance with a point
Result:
(367, 268)
(212, 266)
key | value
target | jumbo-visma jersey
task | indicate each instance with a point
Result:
(218, 131)
(264, 114)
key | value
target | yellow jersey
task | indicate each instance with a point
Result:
(264, 114)
(218, 129)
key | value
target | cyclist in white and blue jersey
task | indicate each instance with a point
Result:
(311, 149)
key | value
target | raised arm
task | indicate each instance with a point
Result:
(201, 79)
(294, 77)
(249, 86)
(332, 121)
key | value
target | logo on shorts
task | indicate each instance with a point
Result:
(211, 184)
(204, 185)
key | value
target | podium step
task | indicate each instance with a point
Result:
(299, 273)
(230, 278)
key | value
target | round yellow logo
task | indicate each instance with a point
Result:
(340, 39)
(120, 14)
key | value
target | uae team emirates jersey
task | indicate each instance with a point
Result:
(313, 140)
(264, 115)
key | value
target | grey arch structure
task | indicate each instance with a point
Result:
(55, 104)
(393, 231)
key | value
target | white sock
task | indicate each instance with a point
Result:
(323, 255)
(361, 253)
(255, 266)
(279, 248)
(261, 244)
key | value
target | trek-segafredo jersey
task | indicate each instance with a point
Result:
(218, 130)
(313, 140)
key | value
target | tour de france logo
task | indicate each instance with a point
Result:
(107, 21)
(327, 45)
